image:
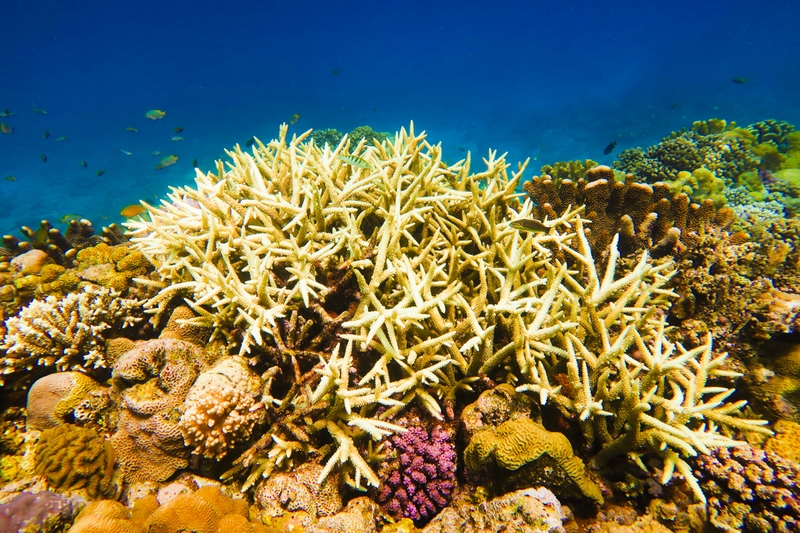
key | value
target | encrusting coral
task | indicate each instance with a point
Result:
(413, 283)
(67, 333)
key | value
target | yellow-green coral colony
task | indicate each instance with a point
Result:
(444, 289)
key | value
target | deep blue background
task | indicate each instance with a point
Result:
(551, 81)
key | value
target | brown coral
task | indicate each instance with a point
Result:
(76, 460)
(154, 378)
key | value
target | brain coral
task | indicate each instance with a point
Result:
(221, 408)
(42, 512)
(547, 457)
(154, 378)
(76, 460)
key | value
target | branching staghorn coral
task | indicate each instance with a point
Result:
(68, 333)
(419, 285)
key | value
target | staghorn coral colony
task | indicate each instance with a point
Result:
(347, 332)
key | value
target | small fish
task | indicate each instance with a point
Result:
(125, 152)
(157, 152)
(100, 172)
(6, 113)
(250, 142)
(177, 130)
(166, 162)
(132, 210)
(134, 130)
(176, 138)
(194, 163)
(610, 147)
(10, 178)
(70, 217)
(462, 149)
(354, 161)
(155, 114)
(83, 164)
(529, 224)
(62, 138)
(294, 118)
(740, 81)
(675, 106)
(44, 158)
(6, 128)
(45, 135)
(40, 111)
(336, 72)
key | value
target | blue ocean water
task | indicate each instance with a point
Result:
(550, 81)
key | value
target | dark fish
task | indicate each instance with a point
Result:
(83, 164)
(740, 81)
(44, 158)
(610, 147)
(194, 163)
(46, 134)
(462, 149)
(675, 106)
(6, 113)
(294, 118)
(336, 71)
(177, 130)
(100, 172)
(354, 161)
(529, 224)
(250, 142)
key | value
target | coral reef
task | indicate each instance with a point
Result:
(67, 333)
(42, 512)
(420, 481)
(331, 136)
(221, 408)
(750, 490)
(76, 460)
(410, 278)
(299, 491)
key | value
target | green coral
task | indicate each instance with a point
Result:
(331, 137)
(367, 134)
(572, 170)
(76, 460)
(545, 456)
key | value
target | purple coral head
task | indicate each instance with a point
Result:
(421, 481)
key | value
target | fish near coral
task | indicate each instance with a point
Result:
(610, 148)
(132, 130)
(529, 224)
(6, 128)
(132, 210)
(294, 118)
(155, 114)
(166, 162)
(354, 161)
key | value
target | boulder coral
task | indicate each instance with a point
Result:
(222, 408)
(65, 397)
